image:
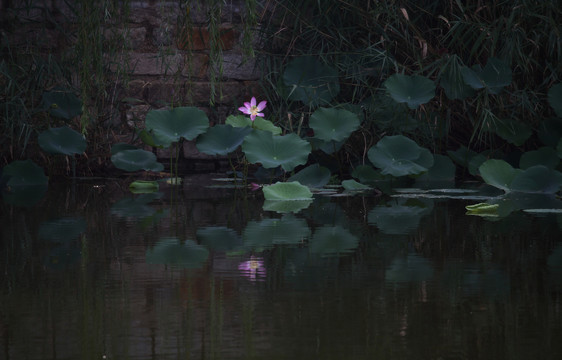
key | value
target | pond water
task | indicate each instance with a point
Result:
(92, 271)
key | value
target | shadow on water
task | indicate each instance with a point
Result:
(92, 271)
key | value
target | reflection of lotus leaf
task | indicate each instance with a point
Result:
(555, 264)
(332, 240)
(62, 140)
(135, 207)
(314, 176)
(219, 238)
(352, 185)
(311, 81)
(396, 219)
(221, 139)
(272, 151)
(412, 90)
(170, 126)
(23, 173)
(171, 251)
(412, 268)
(134, 160)
(333, 124)
(286, 206)
(398, 156)
(62, 230)
(287, 230)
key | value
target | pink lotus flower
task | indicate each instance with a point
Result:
(253, 186)
(253, 110)
(253, 269)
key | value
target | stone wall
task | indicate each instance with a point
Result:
(162, 61)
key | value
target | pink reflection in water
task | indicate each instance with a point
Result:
(253, 269)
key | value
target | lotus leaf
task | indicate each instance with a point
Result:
(451, 80)
(219, 238)
(555, 98)
(412, 90)
(171, 251)
(221, 139)
(398, 156)
(23, 173)
(311, 81)
(170, 126)
(498, 173)
(286, 191)
(328, 147)
(314, 176)
(546, 156)
(62, 104)
(367, 174)
(514, 132)
(495, 76)
(134, 160)
(271, 151)
(483, 209)
(537, 179)
(332, 240)
(333, 124)
(260, 123)
(443, 169)
(62, 140)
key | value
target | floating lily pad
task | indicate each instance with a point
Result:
(221, 139)
(311, 81)
(494, 77)
(412, 90)
(135, 160)
(555, 98)
(171, 251)
(286, 191)
(398, 156)
(271, 151)
(313, 176)
(332, 240)
(259, 123)
(62, 140)
(62, 104)
(333, 124)
(170, 126)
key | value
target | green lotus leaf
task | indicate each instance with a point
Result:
(259, 123)
(311, 81)
(286, 206)
(398, 156)
(546, 156)
(143, 186)
(514, 132)
(329, 147)
(333, 124)
(494, 76)
(367, 174)
(332, 240)
(555, 98)
(62, 140)
(170, 126)
(23, 173)
(219, 238)
(62, 104)
(537, 179)
(498, 173)
(221, 139)
(288, 230)
(443, 169)
(171, 251)
(452, 81)
(412, 90)
(62, 230)
(135, 160)
(397, 219)
(352, 185)
(313, 176)
(483, 209)
(286, 191)
(271, 151)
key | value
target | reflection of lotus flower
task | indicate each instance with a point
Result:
(252, 109)
(252, 269)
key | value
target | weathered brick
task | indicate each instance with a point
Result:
(132, 38)
(235, 66)
(155, 64)
(196, 66)
(198, 38)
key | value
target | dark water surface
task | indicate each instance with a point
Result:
(94, 272)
